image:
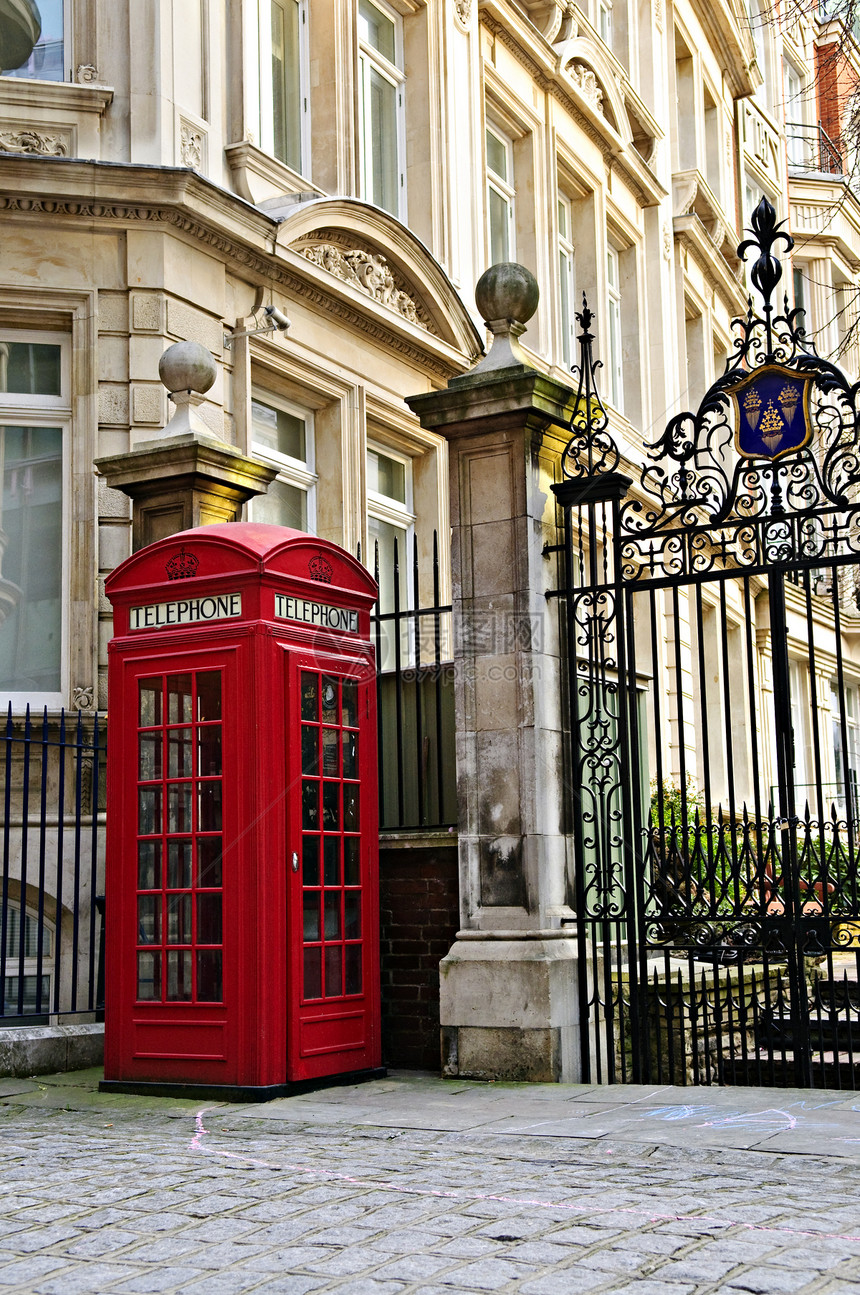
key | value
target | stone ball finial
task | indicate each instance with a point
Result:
(187, 366)
(507, 291)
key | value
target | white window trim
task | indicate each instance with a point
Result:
(292, 472)
(567, 284)
(504, 188)
(47, 411)
(259, 110)
(68, 52)
(370, 57)
(613, 333)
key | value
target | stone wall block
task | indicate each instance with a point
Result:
(113, 312)
(113, 403)
(112, 503)
(146, 312)
(148, 403)
(191, 325)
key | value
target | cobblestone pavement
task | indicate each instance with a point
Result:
(419, 1186)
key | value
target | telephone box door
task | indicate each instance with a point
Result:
(333, 868)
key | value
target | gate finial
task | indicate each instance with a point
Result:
(591, 450)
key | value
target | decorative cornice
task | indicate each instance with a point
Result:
(645, 186)
(366, 270)
(31, 142)
(691, 234)
(255, 262)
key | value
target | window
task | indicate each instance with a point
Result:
(500, 197)
(179, 872)
(36, 48)
(604, 21)
(380, 75)
(798, 138)
(279, 87)
(34, 419)
(389, 530)
(613, 331)
(566, 285)
(282, 434)
(845, 763)
(28, 949)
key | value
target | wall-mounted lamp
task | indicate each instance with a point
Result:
(275, 321)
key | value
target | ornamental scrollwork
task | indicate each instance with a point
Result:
(371, 273)
(33, 142)
(773, 445)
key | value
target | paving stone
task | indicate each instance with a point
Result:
(89, 1279)
(487, 1275)
(160, 1279)
(413, 1267)
(231, 1283)
(30, 1269)
(764, 1281)
(93, 1244)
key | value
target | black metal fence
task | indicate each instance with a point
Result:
(51, 867)
(415, 696)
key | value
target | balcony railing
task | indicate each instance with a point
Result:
(810, 148)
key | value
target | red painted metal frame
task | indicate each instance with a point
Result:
(263, 1034)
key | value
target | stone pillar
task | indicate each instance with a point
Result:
(509, 1003)
(186, 476)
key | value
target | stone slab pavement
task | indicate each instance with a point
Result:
(423, 1186)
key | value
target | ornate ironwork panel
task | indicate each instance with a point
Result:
(712, 611)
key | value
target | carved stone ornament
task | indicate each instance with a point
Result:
(463, 12)
(658, 13)
(87, 74)
(33, 141)
(182, 566)
(588, 84)
(668, 240)
(82, 698)
(321, 569)
(190, 146)
(368, 271)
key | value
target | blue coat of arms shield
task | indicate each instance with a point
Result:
(771, 408)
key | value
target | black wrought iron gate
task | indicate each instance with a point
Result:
(713, 635)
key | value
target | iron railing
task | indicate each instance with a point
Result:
(415, 695)
(810, 148)
(52, 867)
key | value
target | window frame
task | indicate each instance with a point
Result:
(68, 54)
(371, 59)
(40, 964)
(19, 410)
(259, 86)
(301, 474)
(504, 187)
(566, 280)
(613, 331)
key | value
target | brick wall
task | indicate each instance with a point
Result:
(419, 919)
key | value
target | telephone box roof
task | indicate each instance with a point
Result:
(232, 548)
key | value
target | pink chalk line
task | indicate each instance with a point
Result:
(196, 1144)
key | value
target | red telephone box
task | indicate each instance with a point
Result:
(242, 943)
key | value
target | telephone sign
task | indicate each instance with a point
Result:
(242, 888)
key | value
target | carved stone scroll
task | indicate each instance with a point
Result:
(370, 272)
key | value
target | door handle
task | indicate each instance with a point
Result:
(295, 861)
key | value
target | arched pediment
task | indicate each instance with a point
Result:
(585, 65)
(381, 260)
